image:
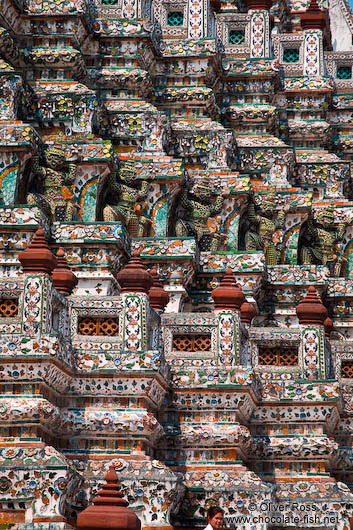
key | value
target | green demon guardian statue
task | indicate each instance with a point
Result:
(200, 223)
(130, 195)
(319, 238)
(264, 221)
(55, 177)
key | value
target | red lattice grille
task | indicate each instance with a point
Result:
(98, 326)
(8, 308)
(189, 343)
(347, 369)
(278, 356)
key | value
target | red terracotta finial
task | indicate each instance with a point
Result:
(328, 325)
(216, 5)
(109, 510)
(247, 313)
(314, 17)
(314, 6)
(64, 279)
(311, 310)
(228, 295)
(37, 257)
(258, 4)
(157, 295)
(134, 277)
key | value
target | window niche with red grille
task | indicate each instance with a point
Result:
(9, 307)
(97, 318)
(98, 326)
(192, 342)
(347, 369)
(278, 355)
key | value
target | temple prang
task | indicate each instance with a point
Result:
(176, 264)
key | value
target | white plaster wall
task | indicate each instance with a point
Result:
(340, 32)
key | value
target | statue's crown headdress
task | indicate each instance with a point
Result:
(127, 169)
(55, 150)
(329, 211)
(269, 200)
(203, 185)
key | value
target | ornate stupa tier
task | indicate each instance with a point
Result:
(176, 262)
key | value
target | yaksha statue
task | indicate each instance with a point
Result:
(55, 176)
(264, 221)
(200, 223)
(319, 238)
(130, 194)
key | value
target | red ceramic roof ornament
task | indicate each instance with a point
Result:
(311, 310)
(228, 295)
(328, 324)
(259, 4)
(216, 5)
(159, 298)
(109, 510)
(64, 279)
(247, 313)
(37, 257)
(134, 278)
(314, 17)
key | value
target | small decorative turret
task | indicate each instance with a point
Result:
(314, 17)
(247, 313)
(109, 510)
(134, 277)
(228, 295)
(258, 4)
(159, 298)
(328, 325)
(216, 5)
(37, 257)
(311, 310)
(64, 279)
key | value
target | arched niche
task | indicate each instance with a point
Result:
(231, 229)
(9, 171)
(15, 172)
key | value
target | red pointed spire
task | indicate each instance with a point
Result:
(314, 17)
(64, 279)
(311, 310)
(328, 325)
(134, 277)
(247, 313)
(314, 6)
(216, 5)
(258, 4)
(228, 295)
(109, 510)
(159, 298)
(37, 257)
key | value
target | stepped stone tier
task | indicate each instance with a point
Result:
(176, 262)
